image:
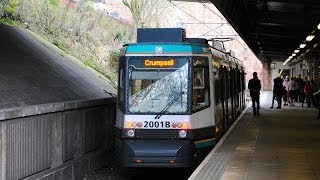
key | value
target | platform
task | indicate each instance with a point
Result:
(281, 144)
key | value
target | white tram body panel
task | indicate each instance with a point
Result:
(175, 100)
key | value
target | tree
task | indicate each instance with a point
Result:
(148, 13)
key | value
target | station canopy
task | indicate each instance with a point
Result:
(275, 29)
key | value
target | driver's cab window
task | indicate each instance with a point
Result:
(200, 97)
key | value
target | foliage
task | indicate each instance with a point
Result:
(8, 9)
(147, 13)
(77, 28)
(8, 21)
(81, 30)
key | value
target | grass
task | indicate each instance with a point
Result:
(10, 22)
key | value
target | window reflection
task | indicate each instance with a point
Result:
(151, 90)
(201, 90)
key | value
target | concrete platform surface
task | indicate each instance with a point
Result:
(31, 73)
(281, 144)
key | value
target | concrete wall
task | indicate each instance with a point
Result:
(57, 140)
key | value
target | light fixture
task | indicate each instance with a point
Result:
(280, 72)
(294, 54)
(130, 133)
(310, 37)
(182, 134)
(319, 26)
(296, 51)
(285, 62)
(302, 45)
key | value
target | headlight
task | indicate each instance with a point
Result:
(182, 134)
(130, 133)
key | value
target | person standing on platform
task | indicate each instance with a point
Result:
(254, 87)
(273, 92)
(286, 94)
(299, 93)
(293, 87)
(279, 91)
(308, 90)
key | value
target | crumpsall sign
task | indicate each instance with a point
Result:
(159, 63)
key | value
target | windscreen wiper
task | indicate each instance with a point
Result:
(168, 105)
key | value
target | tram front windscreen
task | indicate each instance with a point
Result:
(158, 85)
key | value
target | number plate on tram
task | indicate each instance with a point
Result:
(156, 124)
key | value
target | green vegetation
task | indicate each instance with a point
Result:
(8, 21)
(82, 31)
(78, 29)
(8, 9)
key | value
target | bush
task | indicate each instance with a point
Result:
(8, 9)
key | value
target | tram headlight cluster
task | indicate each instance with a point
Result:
(179, 125)
(133, 124)
(130, 133)
(182, 133)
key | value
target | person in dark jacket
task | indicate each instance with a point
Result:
(254, 86)
(279, 90)
(273, 92)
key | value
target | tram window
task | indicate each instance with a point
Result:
(232, 83)
(217, 90)
(221, 90)
(201, 90)
(198, 78)
(139, 85)
(121, 89)
(229, 85)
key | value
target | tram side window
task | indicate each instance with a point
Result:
(243, 81)
(217, 90)
(201, 91)
(228, 86)
(121, 89)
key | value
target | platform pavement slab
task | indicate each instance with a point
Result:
(279, 144)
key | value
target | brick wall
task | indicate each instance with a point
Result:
(114, 7)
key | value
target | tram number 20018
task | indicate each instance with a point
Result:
(156, 124)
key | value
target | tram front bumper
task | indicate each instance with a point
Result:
(157, 153)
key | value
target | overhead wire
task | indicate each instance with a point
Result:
(193, 17)
(203, 23)
(221, 17)
(204, 5)
(211, 29)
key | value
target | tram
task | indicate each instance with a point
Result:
(176, 97)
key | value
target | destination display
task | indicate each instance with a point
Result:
(159, 63)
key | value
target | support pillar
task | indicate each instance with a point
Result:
(316, 72)
(310, 73)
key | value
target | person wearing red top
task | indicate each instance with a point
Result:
(308, 90)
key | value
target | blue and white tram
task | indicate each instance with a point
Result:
(175, 100)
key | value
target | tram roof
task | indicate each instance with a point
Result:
(175, 48)
(166, 48)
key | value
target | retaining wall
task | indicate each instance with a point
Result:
(57, 140)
